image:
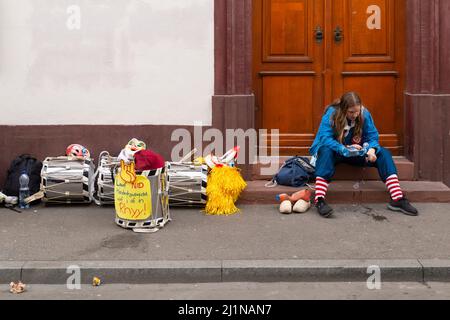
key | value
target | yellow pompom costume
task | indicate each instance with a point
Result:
(225, 184)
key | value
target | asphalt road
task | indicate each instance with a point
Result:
(237, 291)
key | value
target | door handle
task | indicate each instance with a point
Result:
(338, 34)
(318, 34)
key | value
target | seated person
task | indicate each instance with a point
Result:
(346, 123)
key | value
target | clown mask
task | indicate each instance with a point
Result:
(77, 150)
(135, 145)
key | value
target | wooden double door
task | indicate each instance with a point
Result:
(307, 53)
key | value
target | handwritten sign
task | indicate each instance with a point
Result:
(132, 199)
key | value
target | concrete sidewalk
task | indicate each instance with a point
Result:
(257, 244)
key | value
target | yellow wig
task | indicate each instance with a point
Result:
(225, 184)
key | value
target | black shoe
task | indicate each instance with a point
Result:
(404, 206)
(323, 208)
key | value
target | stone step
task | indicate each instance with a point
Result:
(352, 192)
(343, 171)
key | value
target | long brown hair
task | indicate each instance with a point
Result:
(348, 100)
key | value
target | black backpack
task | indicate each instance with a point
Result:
(295, 172)
(22, 163)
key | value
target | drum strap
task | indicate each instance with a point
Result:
(146, 230)
(151, 229)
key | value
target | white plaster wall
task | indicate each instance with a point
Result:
(131, 62)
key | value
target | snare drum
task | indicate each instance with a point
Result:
(159, 203)
(103, 191)
(187, 184)
(67, 180)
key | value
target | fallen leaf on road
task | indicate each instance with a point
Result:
(16, 288)
(96, 282)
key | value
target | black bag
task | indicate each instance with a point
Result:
(22, 163)
(295, 172)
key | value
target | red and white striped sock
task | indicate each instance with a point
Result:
(321, 188)
(393, 186)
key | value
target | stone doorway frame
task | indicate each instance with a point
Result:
(427, 91)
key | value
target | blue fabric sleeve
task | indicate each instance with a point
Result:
(326, 133)
(370, 132)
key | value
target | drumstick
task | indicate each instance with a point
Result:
(190, 154)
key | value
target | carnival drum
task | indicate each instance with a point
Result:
(159, 203)
(103, 191)
(67, 179)
(187, 183)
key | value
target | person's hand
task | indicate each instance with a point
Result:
(344, 151)
(371, 156)
(356, 146)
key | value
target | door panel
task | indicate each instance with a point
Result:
(288, 64)
(286, 24)
(369, 60)
(369, 24)
(297, 90)
(370, 88)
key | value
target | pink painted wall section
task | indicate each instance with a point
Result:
(427, 93)
(444, 47)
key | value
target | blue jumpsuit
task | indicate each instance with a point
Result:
(328, 151)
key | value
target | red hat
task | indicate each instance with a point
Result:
(148, 160)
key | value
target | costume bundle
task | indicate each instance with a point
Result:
(225, 184)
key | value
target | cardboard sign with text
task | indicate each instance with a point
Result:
(132, 195)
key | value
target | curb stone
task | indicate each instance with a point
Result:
(146, 272)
